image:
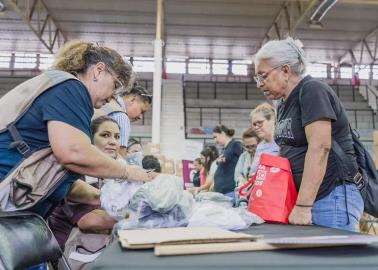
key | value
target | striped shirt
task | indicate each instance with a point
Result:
(123, 121)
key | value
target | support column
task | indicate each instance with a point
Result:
(158, 52)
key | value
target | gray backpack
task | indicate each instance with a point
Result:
(39, 173)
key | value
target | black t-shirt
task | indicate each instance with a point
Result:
(196, 179)
(224, 175)
(318, 101)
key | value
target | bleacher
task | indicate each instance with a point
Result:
(210, 103)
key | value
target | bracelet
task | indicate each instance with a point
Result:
(304, 205)
(125, 174)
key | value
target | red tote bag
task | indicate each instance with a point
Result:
(273, 193)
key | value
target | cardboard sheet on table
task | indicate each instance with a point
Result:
(267, 244)
(353, 239)
(140, 239)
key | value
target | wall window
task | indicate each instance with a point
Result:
(144, 64)
(240, 67)
(317, 70)
(5, 59)
(25, 60)
(375, 72)
(345, 72)
(45, 61)
(199, 66)
(363, 71)
(177, 66)
(220, 67)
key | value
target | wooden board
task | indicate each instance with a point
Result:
(141, 239)
(267, 244)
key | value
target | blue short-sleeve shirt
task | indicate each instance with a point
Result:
(68, 102)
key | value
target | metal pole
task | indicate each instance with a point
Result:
(158, 52)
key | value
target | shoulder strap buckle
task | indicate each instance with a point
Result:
(21, 146)
(358, 179)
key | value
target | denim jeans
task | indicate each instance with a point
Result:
(232, 196)
(333, 210)
(42, 266)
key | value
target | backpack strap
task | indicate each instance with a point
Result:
(18, 142)
(351, 167)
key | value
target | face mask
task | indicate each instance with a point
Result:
(135, 159)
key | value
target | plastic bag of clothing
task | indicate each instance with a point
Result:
(210, 214)
(147, 218)
(161, 203)
(213, 197)
(116, 195)
(162, 194)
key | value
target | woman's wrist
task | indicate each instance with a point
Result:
(304, 205)
(125, 172)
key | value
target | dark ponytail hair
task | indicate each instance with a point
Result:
(222, 128)
(209, 155)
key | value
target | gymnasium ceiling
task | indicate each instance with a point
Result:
(219, 29)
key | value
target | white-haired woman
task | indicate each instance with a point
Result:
(309, 117)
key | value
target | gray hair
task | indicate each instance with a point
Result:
(281, 52)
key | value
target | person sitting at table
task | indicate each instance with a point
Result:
(134, 152)
(243, 171)
(196, 176)
(151, 163)
(88, 217)
(208, 170)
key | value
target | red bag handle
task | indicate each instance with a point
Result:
(242, 191)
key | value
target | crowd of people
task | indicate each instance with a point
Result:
(85, 118)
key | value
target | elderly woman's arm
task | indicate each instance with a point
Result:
(319, 138)
(74, 150)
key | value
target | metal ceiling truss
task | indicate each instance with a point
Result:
(288, 18)
(37, 16)
(364, 52)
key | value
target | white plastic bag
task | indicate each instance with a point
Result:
(161, 203)
(162, 194)
(210, 214)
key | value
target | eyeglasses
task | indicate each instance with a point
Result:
(118, 85)
(250, 146)
(259, 78)
(258, 123)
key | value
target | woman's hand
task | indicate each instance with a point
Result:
(300, 216)
(221, 159)
(135, 173)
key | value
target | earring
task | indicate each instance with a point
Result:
(95, 79)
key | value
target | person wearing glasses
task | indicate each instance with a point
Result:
(60, 117)
(128, 106)
(243, 169)
(309, 116)
(263, 122)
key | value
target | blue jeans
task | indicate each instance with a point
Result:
(232, 196)
(42, 266)
(333, 210)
